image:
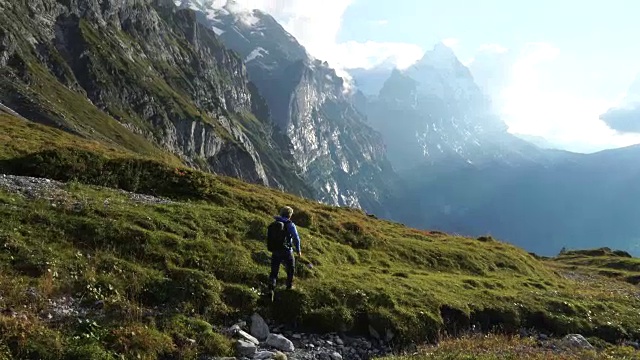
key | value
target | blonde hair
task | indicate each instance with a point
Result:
(286, 212)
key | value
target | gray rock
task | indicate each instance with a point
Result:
(245, 348)
(247, 337)
(232, 331)
(280, 342)
(264, 355)
(576, 341)
(339, 341)
(336, 356)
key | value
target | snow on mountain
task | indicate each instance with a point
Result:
(441, 74)
(256, 53)
(216, 9)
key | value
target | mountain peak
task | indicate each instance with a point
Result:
(440, 57)
(441, 48)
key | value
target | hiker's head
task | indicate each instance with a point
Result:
(286, 212)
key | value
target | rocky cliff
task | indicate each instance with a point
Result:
(142, 74)
(337, 152)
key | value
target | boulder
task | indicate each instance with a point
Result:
(576, 341)
(259, 327)
(232, 331)
(245, 348)
(247, 337)
(280, 342)
(264, 355)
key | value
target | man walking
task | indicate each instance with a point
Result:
(282, 239)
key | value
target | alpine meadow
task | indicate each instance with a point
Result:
(147, 145)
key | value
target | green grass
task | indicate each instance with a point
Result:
(203, 260)
(604, 262)
(500, 347)
(19, 138)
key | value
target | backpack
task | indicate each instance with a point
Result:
(277, 236)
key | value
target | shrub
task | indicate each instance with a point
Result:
(257, 230)
(610, 333)
(487, 238)
(91, 350)
(330, 319)
(292, 306)
(208, 342)
(137, 341)
(302, 218)
(30, 340)
(353, 227)
(215, 344)
(455, 321)
(492, 319)
(243, 298)
(406, 326)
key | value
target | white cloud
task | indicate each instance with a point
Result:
(490, 67)
(533, 102)
(366, 55)
(316, 25)
(493, 48)
(381, 22)
(451, 42)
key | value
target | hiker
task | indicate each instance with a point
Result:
(282, 238)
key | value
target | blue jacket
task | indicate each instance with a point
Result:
(293, 233)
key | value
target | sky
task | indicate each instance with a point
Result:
(551, 67)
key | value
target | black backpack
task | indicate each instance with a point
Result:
(277, 236)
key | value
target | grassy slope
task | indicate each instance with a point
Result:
(500, 347)
(19, 138)
(605, 262)
(165, 272)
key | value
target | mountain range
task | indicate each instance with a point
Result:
(230, 91)
(466, 173)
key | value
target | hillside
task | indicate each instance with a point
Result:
(138, 275)
(143, 76)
